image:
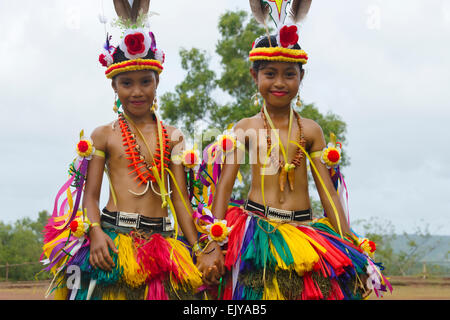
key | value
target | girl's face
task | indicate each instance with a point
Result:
(278, 82)
(136, 90)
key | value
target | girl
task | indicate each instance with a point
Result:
(275, 250)
(129, 249)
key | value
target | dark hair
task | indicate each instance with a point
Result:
(265, 43)
(119, 56)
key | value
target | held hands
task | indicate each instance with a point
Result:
(99, 254)
(211, 264)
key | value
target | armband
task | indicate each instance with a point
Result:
(218, 231)
(190, 158)
(85, 147)
(331, 155)
(78, 227)
(369, 247)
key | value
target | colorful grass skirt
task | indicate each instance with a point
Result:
(147, 266)
(275, 261)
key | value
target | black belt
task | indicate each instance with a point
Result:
(278, 214)
(136, 221)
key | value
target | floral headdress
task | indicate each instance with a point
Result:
(286, 48)
(137, 49)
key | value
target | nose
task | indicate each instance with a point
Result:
(279, 82)
(136, 92)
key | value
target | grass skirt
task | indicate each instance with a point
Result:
(276, 261)
(147, 266)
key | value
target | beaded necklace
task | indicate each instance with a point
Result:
(286, 171)
(138, 163)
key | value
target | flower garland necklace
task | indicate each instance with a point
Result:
(287, 169)
(138, 165)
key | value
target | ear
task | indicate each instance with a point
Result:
(302, 74)
(156, 78)
(254, 75)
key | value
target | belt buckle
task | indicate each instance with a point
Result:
(279, 214)
(128, 220)
(167, 224)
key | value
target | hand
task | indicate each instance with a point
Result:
(211, 264)
(99, 254)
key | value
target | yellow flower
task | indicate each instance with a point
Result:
(227, 142)
(77, 227)
(85, 148)
(218, 231)
(190, 158)
(331, 156)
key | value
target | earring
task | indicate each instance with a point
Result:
(256, 99)
(299, 102)
(155, 105)
(117, 104)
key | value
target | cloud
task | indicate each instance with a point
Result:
(381, 65)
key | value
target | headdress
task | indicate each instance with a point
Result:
(284, 45)
(137, 49)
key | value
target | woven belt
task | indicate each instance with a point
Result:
(136, 221)
(278, 214)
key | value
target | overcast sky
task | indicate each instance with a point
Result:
(383, 66)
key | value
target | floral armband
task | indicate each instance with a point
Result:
(331, 155)
(369, 247)
(218, 231)
(78, 227)
(212, 229)
(227, 142)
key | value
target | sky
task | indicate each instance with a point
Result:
(382, 66)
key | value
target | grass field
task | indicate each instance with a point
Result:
(405, 288)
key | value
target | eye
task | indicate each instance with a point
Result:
(126, 83)
(291, 73)
(269, 74)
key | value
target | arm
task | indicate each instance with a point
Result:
(210, 264)
(318, 143)
(99, 255)
(230, 168)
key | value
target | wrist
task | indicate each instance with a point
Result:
(95, 226)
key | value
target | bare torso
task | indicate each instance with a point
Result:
(124, 183)
(297, 199)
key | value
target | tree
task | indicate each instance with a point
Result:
(21, 243)
(406, 257)
(193, 104)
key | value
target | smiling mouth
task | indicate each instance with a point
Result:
(279, 93)
(137, 103)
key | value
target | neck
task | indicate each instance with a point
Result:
(278, 112)
(148, 118)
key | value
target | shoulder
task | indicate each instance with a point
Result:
(313, 134)
(311, 126)
(174, 134)
(248, 123)
(100, 136)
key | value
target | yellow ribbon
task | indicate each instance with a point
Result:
(323, 186)
(310, 160)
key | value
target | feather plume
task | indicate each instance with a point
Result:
(123, 9)
(139, 7)
(299, 10)
(260, 10)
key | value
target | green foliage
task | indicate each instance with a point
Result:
(402, 260)
(22, 243)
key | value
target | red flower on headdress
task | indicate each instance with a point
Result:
(102, 60)
(135, 43)
(288, 36)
